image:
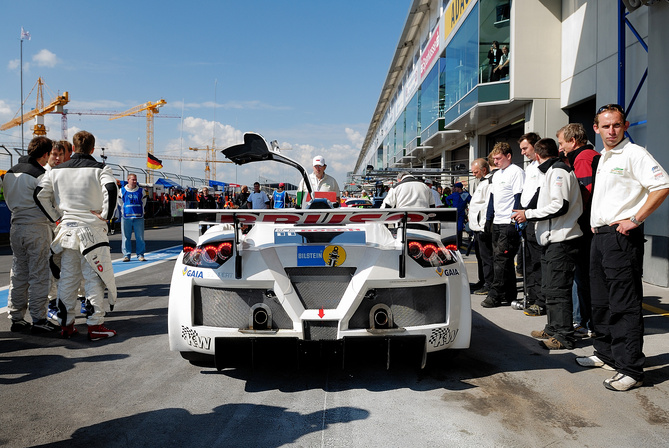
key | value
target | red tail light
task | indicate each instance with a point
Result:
(431, 253)
(209, 255)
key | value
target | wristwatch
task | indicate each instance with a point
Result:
(634, 221)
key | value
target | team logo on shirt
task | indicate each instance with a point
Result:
(618, 171)
(657, 172)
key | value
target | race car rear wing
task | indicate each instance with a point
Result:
(197, 221)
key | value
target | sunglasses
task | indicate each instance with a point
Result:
(616, 107)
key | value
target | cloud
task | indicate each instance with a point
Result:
(355, 137)
(45, 58)
(14, 65)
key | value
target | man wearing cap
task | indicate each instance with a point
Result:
(319, 180)
(460, 199)
(279, 197)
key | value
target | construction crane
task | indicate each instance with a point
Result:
(210, 158)
(151, 109)
(55, 106)
(68, 111)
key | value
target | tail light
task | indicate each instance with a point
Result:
(432, 253)
(208, 255)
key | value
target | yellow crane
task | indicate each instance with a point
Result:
(210, 158)
(55, 106)
(151, 109)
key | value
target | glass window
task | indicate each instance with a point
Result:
(413, 130)
(429, 97)
(460, 69)
(495, 35)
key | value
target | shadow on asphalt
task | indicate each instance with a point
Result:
(238, 424)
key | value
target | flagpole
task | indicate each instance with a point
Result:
(21, 90)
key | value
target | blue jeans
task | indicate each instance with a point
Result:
(127, 227)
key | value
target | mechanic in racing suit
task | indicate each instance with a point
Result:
(408, 192)
(85, 191)
(30, 237)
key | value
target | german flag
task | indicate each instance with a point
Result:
(153, 162)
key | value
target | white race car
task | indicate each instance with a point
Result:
(317, 275)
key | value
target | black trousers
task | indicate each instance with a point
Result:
(483, 247)
(582, 279)
(616, 292)
(558, 263)
(506, 241)
(533, 251)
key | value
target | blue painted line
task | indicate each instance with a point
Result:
(119, 267)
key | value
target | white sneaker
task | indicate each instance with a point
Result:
(592, 361)
(621, 382)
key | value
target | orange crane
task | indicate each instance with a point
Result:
(210, 158)
(55, 106)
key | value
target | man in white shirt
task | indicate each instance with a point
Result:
(629, 186)
(319, 180)
(258, 199)
(506, 189)
(536, 304)
(478, 208)
(408, 192)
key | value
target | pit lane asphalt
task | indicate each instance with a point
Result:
(132, 391)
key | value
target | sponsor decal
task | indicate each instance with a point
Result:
(310, 256)
(618, 171)
(430, 52)
(442, 336)
(100, 268)
(447, 272)
(453, 14)
(335, 217)
(334, 255)
(657, 172)
(195, 340)
(559, 180)
(192, 273)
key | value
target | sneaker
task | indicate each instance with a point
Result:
(67, 331)
(552, 344)
(540, 334)
(141, 258)
(489, 302)
(535, 310)
(43, 326)
(97, 332)
(20, 325)
(621, 382)
(580, 331)
(126, 259)
(592, 361)
(483, 291)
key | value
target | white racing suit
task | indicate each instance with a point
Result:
(84, 251)
(78, 188)
(29, 237)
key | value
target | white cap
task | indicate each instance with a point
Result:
(319, 160)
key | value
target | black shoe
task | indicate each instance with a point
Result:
(475, 286)
(20, 325)
(44, 326)
(535, 310)
(484, 291)
(489, 302)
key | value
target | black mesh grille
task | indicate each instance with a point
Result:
(231, 308)
(320, 330)
(410, 306)
(320, 287)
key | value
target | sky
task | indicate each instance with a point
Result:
(307, 73)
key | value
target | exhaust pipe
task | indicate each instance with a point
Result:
(261, 317)
(380, 317)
